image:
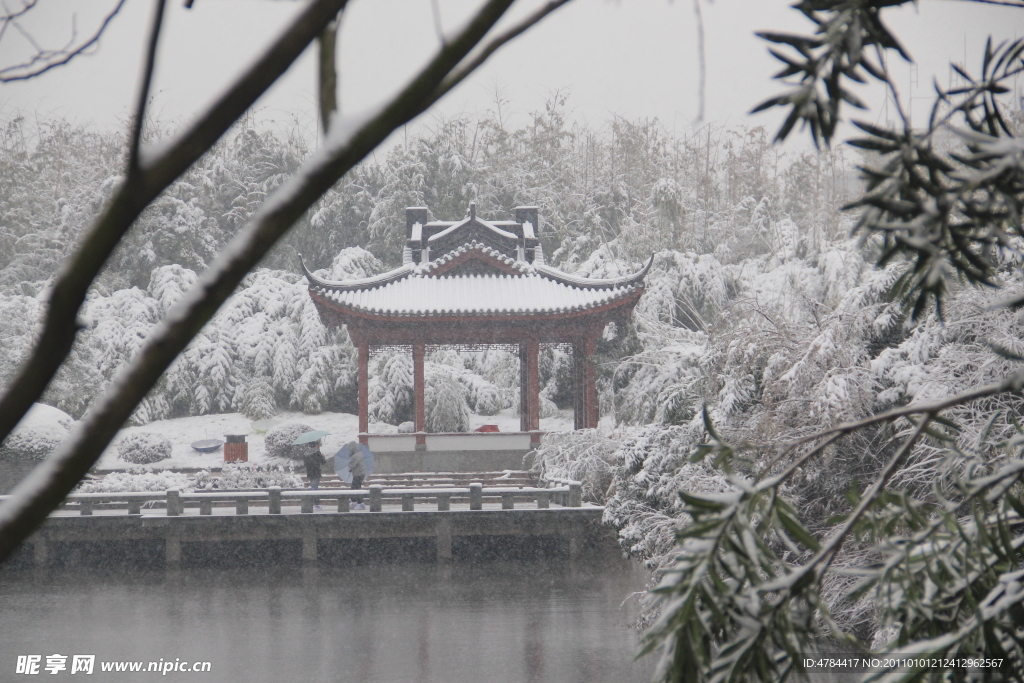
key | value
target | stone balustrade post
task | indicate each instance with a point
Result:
(85, 507)
(307, 505)
(543, 500)
(476, 496)
(575, 495)
(408, 502)
(241, 506)
(173, 503)
(376, 497)
(274, 500)
(205, 506)
(444, 501)
(508, 501)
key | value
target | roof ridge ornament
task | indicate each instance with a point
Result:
(472, 211)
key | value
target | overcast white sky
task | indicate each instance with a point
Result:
(635, 58)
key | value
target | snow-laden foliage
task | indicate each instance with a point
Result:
(233, 476)
(279, 440)
(489, 382)
(265, 351)
(637, 474)
(41, 430)
(390, 388)
(446, 404)
(248, 476)
(143, 448)
(139, 480)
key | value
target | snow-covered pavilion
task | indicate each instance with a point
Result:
(469, 284)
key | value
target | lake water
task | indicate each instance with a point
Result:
(491, 622)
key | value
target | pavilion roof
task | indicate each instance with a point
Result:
(496, 286)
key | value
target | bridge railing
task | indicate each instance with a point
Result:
(440, 498)
(573, 490)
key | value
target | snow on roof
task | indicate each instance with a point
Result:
(485, 250)
(420, 294)
(510, 287)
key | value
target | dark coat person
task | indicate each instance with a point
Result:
(314, 461)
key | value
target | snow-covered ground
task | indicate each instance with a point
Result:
(184, 431)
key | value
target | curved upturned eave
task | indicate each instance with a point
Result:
(593, 283)
(364, 283)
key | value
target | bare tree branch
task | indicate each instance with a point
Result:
(328, 80)
(1004, 3)
(147, 79)
(349, 143)
(134, 195)
(458, 75)
(9, 18)
(51, 58)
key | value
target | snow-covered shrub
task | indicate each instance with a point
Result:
(136, 480)
(483, 397)
(279, 440)
(586, 455)
(143, 448)
(248, 476)
(41, 430)
(258, 403)
(548, 408)
(486, 400)
(390, 388)
(446, 404)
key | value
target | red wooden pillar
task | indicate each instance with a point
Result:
(364, 392)
(578, 394)
(418, 392)
(592, 411)
(533, 384)
(586, 411)
(524, 400)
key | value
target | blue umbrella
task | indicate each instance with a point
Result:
(310, 437)
(341, 462)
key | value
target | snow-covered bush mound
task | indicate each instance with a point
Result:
(279, 441)
(41, 430)
(258, 403)
(249, 476)
(136, 480)
(352, 263)
(143, 448)
(446, 405)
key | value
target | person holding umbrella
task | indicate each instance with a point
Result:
(352, 463)
(313, 459)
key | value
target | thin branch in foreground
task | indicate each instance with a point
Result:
(60, 57)
(147, 80)
(458, 75)
(47, 485)
(8, 19)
